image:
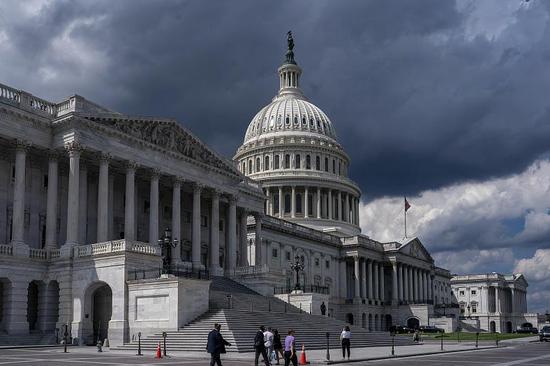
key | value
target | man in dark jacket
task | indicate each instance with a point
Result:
(216, 345)
(259, 346)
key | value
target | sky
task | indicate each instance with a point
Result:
(445, 102)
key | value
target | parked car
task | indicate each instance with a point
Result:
(431, 329)
(544, 334)
(527, 330)
(400, 329)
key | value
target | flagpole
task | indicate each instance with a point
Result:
(405, 214)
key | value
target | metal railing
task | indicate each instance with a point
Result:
(307, 289)
(178, 271)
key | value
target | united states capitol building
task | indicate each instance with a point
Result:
(86, 193)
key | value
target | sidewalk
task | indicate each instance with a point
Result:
(318, 357)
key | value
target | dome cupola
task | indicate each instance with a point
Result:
(290, 147)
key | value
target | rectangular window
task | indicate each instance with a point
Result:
(187, 216)
(221, 225)
(474, 292)
(287, 256)
(474, 308)
(45, 181)
(461, 293)
(167, 212)
(327, 264)
(316, 262)
(204, 221)
(146, 206)
(274, 253)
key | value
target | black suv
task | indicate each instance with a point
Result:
(431, 329)
(544, 334)
(527, 330)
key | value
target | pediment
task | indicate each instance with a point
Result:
(170, 135)
(416, 249)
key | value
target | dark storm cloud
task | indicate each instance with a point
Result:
(417, 100)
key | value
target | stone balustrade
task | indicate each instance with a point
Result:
(35, 253)
(6, 250)
(27, 101)
(115, 246)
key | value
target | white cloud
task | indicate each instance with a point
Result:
(473, 260)
(536, 270)
(469, 215)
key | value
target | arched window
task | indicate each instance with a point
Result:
(326, 164)
(244, 167)
(308, 162)
(287, 161)
(258, 164)
(266, 162)
(333, 166)
(298, 203)
(309, 207)
(317, 163)
(287, 120)
(287, 203)
(250, 166)
(276, 162)
(276, 203)
(298, 162)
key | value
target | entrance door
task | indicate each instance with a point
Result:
(102, 311)
(32, 305)
(413, 323)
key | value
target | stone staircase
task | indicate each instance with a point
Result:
(246, 310)
(31, 339)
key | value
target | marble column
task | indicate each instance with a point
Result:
(318, 198)
(18, 213)
(382, 284)
(74, 150)
(293, 202)
(129, 209)
(401, 283)
(395, 289)
(176, 221)
(406, 296)
(196, 228)
(330, 204)
(215, 234)
(258, 241)
(281, 201)
(430, 288)
(346, 207)
(364, 279)
(306, 202)
(369, 277)
(343, 279)
(422, 289)
(243, 245)
(103, 199)
(232, 236)
(497, 299)
(51, 204)
(357, 276)
(410, 275)
(154, 208)
(83, 205)
(339, 206)
(376, 283)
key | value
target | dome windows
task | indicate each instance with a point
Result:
(266, 162)
(276, 162)
(317, 163)
(258, 164)
(287, 161)
(308, 162)
(326, 164)
(297, 162)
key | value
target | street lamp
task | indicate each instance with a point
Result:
(444, 306)
(297, 267)
(166, 243)
(468, 307)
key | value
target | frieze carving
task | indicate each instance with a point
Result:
(168, 136)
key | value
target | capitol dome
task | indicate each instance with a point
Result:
(291, 149)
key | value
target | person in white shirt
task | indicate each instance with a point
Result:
(345, 337)
(268, 342)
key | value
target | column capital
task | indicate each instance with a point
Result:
(215, 192)
(177, 181)
(74, 147)
(131, 165)
(22, 145)
(198, 187)
(105, 157)
(232, 199)
(53, 155)
(155, 173)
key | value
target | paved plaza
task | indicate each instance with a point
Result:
(532, 354)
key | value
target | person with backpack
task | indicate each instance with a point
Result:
(268, 338)
(259, 346)
(277, 345)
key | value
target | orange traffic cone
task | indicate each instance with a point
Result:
(159, 354)
(303, 360)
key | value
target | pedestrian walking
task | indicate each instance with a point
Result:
(277, 345)
(259, 346)
(416, 336)
(290, 349)
(216, 345)
(268, 342)
(345, 337)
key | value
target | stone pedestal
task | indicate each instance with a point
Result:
(308, 302)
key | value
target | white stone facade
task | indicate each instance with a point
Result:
(493, 302)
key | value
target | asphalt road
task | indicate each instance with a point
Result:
(531, 354)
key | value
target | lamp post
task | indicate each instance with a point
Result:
(297, 266)
(166, 243)
(444, 306)
(469, 315)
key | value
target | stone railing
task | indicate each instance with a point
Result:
(6, 249)
(299, 229)
(251, 270)
(26, 101)
(116, 246)
(35, 253)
